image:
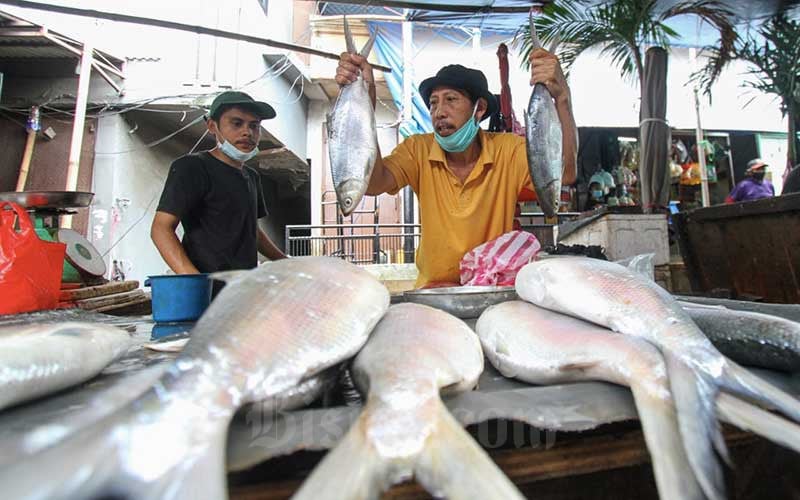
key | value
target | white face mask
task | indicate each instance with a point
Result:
(235, 154)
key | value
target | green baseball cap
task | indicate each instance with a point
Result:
(240, 99)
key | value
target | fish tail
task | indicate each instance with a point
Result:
(348, 37)
(367, 48)
(694, 395)
(752, 418)
(452, 465)
(353, 470)
(673, 472)
(535, 42)
(122, 457)
(745, 384)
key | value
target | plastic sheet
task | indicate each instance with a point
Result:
(643, 264)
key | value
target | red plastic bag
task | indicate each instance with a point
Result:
(497, 262)
(30, 269)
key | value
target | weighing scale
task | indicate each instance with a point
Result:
(83, 263)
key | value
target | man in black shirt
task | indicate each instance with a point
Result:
(215, 197)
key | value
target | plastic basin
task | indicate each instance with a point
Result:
(179, 297)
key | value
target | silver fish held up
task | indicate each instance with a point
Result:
(269, 329)
(544, 142)
(611, 295)
(539, 346)
(749, 338)
(36, 360)
(405, 430)
(352, 136)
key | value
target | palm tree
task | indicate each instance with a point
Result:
(775, 64)
(623, 29)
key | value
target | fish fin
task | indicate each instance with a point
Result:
(120, 457)
(752, 418)
(453, 465)
(365, 50)
(354, 468)
(348, 37)
(554, 44)
(535, 42)
(226, 276)
(694, 397)
(674, 475)
(579, 367)
(743, 383)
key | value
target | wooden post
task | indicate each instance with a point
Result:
(701, 152)
(26, 160)
(81, 102)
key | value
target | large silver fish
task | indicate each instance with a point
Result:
(265, 333)
(36, 360)
(352, 136)
(750, 338)
(544, 347)
(544, 142)
(405, 430)
(611, 295)
(52, 424)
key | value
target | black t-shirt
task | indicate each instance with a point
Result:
(218, 206)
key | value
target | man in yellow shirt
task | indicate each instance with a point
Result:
(467, 180)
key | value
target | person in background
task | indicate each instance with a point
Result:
(792, 182)
(596, 196)
(753, 186)
(215, 197)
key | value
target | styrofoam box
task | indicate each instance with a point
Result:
(625, 236)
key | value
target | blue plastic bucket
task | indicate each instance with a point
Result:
(179, 297)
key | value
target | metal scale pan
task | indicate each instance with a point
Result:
(48, 200)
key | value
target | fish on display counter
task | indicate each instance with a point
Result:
(352, 135)
(544, 140)
(415, 353)
(611, 295)
(750, 338)
(40, 359)
(269, 330)
(543, 347)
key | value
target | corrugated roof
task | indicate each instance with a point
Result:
(21, 39)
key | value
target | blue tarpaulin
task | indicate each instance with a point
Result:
(388, 48)
(506, 16)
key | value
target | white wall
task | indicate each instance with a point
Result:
(137, 176)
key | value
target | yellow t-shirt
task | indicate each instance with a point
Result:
(457, 217)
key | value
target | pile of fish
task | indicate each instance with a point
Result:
(275, 337)
(352, 136)
(405, 430)
(612, 296)
(267, 334)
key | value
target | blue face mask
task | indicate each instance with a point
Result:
(597, 194)
(460, 140)
(235, 154)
